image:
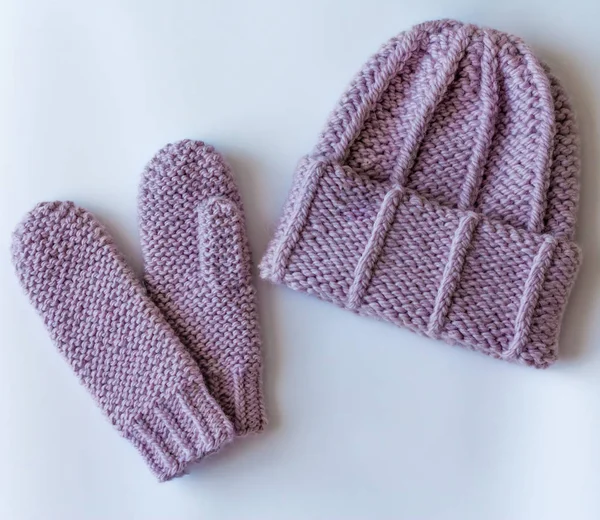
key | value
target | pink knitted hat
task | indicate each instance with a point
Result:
(442, 195)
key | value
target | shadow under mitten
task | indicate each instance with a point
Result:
(197, 271)
(115, 339)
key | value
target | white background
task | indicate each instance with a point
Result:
(367, 421)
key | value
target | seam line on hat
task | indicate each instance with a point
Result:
(367, 100)
(457, 255)
(366, 264)
(487, 120)
(297, 221)
(546, 126)
(418, 128)
(530, 297)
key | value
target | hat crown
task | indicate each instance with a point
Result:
(467, 117)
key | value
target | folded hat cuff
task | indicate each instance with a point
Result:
(382, 250)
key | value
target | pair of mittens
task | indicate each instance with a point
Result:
(176, 365)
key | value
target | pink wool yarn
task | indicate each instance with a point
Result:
(442, 195)
(198, 272)
(115, 339)
(176, 367)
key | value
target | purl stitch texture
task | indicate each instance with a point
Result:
(198, 272)
(115, 339)
(442, 195)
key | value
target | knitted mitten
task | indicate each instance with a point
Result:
(115, 338)
(197, 272)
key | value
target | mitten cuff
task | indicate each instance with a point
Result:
(239, 391)
(384, 251)
(181, 429)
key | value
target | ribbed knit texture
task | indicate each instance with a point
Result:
(198, 272)
(115, 339)
(442, 195)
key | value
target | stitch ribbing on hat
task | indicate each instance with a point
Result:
(451, 276)
(531, 292)
(563, 189)
(417, 126)
(487, 120)
(115, 339)
(481, 138)
(366, 264)
(197, 271)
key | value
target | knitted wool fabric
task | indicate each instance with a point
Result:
(442, 195)
(115, 338)
(197, 272)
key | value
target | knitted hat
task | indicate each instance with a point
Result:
(442, 195)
